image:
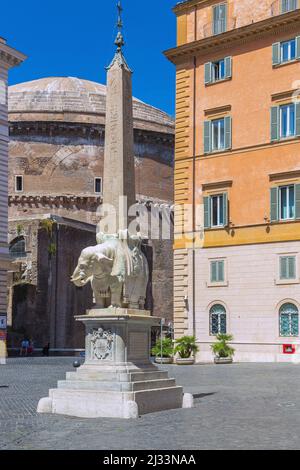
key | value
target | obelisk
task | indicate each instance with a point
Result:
(119, 173)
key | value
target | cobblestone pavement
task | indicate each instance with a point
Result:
(243, 406)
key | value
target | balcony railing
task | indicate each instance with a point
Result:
(280, 7)
(218, 27)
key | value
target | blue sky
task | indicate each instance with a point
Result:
(71, 38)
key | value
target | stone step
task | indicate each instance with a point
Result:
(96, 404)
(115, 386)
(116, 377)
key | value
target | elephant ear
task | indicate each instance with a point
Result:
(106, 263)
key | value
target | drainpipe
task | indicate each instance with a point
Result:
(194, 180)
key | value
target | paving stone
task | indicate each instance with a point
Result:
(243, 406)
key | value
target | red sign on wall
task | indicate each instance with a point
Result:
(289, 349)
(2, 335)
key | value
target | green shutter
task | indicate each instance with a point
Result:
(228, 138)
(274, 123)
(297, 200)
(297, 117)
(283, 267)
(207, 136)
(298, 47)
(276, 53)
(228, 67)
(225, 15)
(207, 73)
(221, 276)
(291, 267)
(213, 271)
(274, 205)
(225, 209)
(206, 202)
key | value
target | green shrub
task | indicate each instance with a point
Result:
(186, 347)
(167, 348)
(221, 349)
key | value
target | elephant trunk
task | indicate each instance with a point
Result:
(79, 278)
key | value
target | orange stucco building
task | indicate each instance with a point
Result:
(238, 160)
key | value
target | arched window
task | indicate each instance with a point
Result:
(289, 320)
(17, 248)
(217, 320)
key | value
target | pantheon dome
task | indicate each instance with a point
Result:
(56, 154)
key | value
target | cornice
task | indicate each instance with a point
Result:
(277, 24)
(187, 4)
(9, 56)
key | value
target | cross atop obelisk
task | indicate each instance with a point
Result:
(119, 173)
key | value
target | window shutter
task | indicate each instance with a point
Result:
(228, 138)
(225, 209)
(213, 271)
(297, 200)
(207, 73)
(206, 202)
(221, 276)
(274, 123)
(276, 53)
(223, 9)
(207, 136)
(228, 67)
(298, 47)
(283, 267)
(297, 114)
(291, 267)
(274, 204)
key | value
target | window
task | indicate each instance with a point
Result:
(217, 271)
(287, 121)
(218, 70)
(288, 5)
(215, 210)
(19, 184)
(287, 267)
(286, 51)
(218, 320)
(217, 135)
(287, 202)
(289, 320)
(98, 185)
(219, 18)
(17, 248)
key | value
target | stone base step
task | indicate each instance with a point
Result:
(116, 386)
(87, 375)
(110, 404)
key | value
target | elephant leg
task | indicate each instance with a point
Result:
(116, 294)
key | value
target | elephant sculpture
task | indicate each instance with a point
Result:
(117, 269)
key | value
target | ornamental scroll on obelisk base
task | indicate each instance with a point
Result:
(117, 379)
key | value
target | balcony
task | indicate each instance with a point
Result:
(218, 27)
(279, 7)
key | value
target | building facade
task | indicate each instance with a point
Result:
(56, 160)
(8, 58)
(237, 163)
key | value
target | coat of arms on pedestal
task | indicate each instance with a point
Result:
(101, 342)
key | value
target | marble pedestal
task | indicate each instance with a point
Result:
(117, 379)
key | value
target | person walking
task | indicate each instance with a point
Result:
(24, 347)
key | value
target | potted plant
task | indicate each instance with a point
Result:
(222, 351)
(163, 351)
(186, 348)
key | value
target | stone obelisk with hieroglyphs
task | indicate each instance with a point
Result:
(119, 173)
